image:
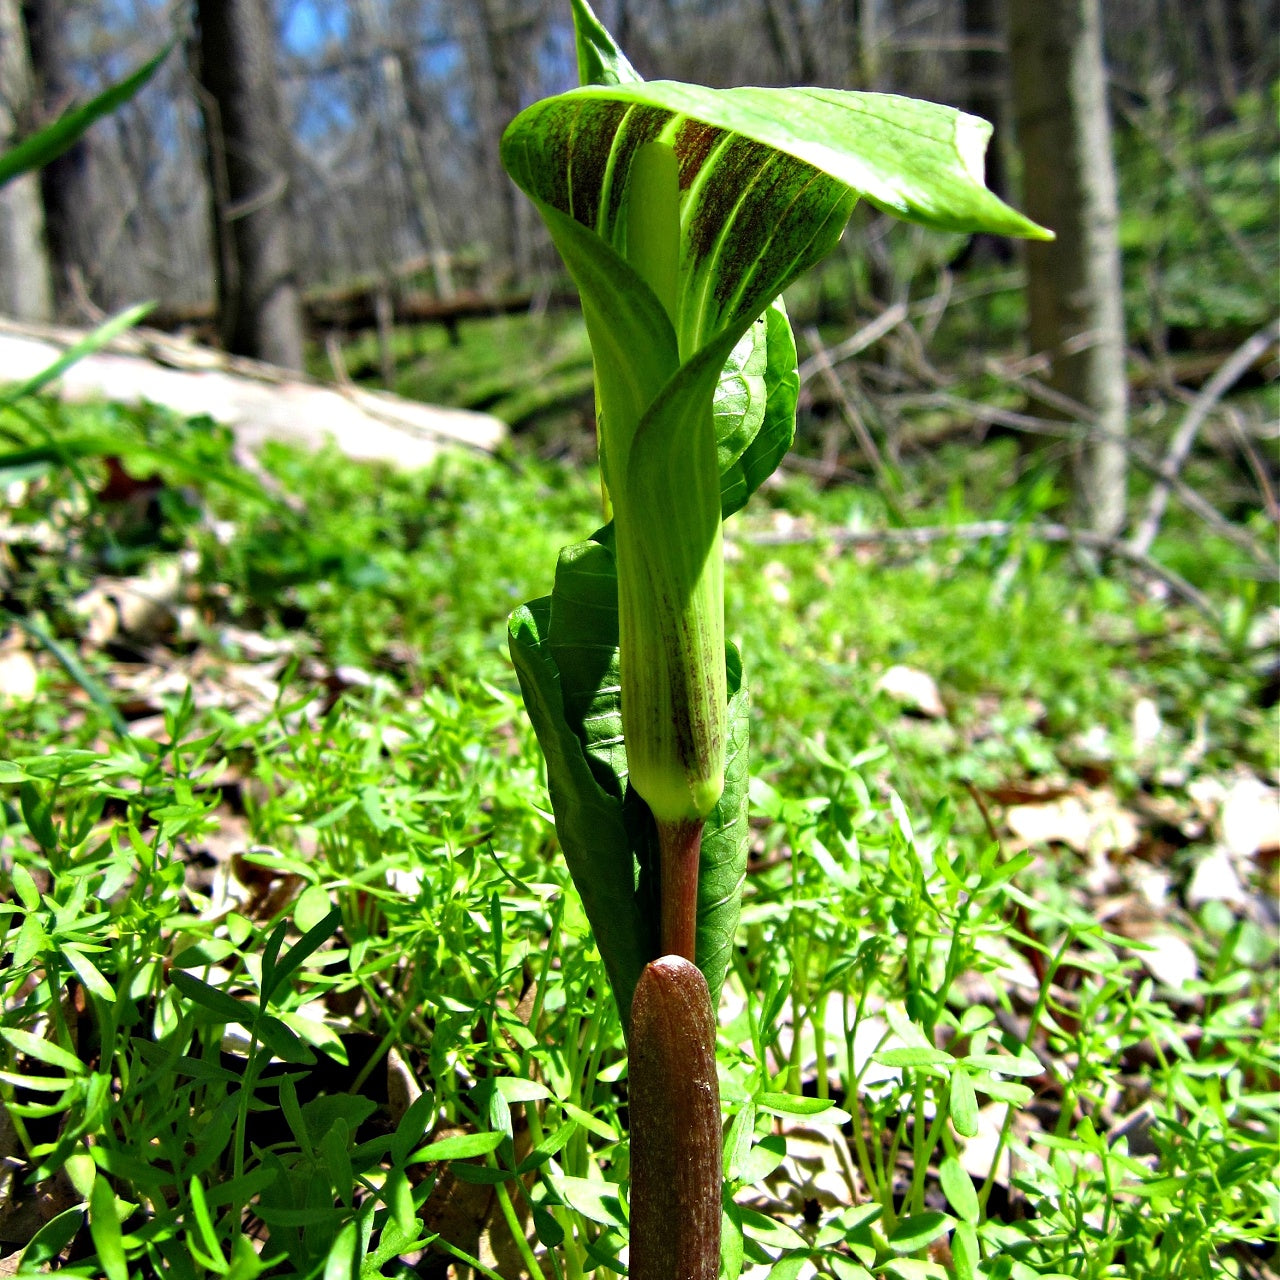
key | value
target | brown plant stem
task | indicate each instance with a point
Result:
(675, 1125)
(679, 848)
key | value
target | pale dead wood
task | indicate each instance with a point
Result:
(869, 334)
(928, 535)
(1232, 370)
(848, 409)
(257, 401)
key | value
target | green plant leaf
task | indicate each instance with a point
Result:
(462, 1146)
(958, 1188)
(964, 1104)
(921, 1229)
(307, 945)
(50, 142)
(104, 1227)
(106, 332)
(224, 1007)
(48, 1243)
(724, 844)
(42, 1050)
(89, 974)
(589, 820)
(767, 177)
(565, 652)
(768, 426)
(600, 61)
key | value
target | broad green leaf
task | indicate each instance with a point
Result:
(564, 650)
(589, 820)
(768, 178)
(583, 640)
(50, 142)
(773, 415)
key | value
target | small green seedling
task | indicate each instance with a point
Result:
(682, 213)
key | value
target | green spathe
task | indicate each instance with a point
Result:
(681, 212)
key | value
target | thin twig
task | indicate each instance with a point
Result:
(1196, 503)
(1232, 370)
(865, 337)
(1256, 465)
(851, 414)
(1083, 422)
(1200, 194)
(927, 535)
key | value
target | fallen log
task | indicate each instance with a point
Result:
(257, 401)
(353, 310)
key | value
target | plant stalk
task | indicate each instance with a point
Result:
(679, 855)
(676, 1163)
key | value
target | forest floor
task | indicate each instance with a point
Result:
(294, 976)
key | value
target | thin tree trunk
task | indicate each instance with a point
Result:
(1074, 286)
(66, 183)
(26, 292)
(986, 95)
(259, 305)
(499, 26)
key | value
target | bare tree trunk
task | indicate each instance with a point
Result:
(500, 28)
(66, 183)
(26, 292)
(258, 300)
(1074, 284)
(985, 94)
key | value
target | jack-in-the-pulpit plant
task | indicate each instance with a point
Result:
(682, 213)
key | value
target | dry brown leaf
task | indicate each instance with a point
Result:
(1250, 818)
(1088, 821)
(913, 690)
(19, 677)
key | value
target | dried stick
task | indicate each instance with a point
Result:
(869, 334)
(926, 535)
(1195, 502)
(1240, 361)
(850, 411)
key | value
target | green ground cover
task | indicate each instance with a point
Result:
(295, 983)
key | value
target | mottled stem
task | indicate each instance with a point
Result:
(675, 1126)
(680, 849)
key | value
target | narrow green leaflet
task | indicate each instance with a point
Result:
(40, 148)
